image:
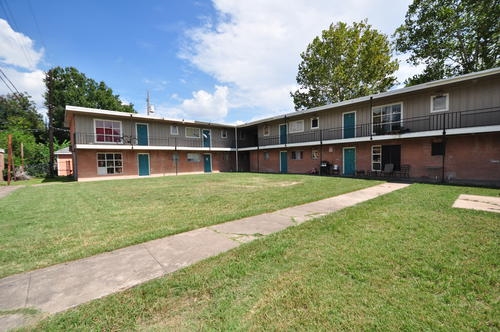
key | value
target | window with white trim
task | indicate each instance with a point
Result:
(376, 157)
(266, 155)
(174, 130)
(223, 133)
(439, 103)
(296, 126)
(315, 154)
(315, 123)
(109, 163)
(266, 130)
(193, 132)
(193, 157)
(108, 131)
(387, 119)
(297, 155)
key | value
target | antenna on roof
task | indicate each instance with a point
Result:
(150, 108)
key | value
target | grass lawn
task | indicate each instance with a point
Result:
(44, 225)
(404, 261)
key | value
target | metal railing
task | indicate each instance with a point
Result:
(436, 121)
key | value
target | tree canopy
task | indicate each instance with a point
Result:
(18, 111)
(344, 63)
(451, 37)
(67, 86)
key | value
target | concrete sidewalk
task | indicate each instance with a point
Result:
(60, 287)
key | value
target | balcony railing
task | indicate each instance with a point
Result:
(436, 121)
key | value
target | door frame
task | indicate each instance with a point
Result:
(284, 167)
(139, 164)
(137, 133)
(344, 127)
(209, 138)
(205, 164)
(344, 163)
(283, 138)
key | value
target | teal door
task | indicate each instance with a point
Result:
(143, 160)
(349, 124)
(283, 162)
(283, 134)
(142, 134)
(205, 133)
(207, 163)
(349, 161)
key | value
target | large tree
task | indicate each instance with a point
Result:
(344, 63)
(18, 111)
(451, 37)
(67, 86)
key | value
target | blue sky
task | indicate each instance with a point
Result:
(223, 61)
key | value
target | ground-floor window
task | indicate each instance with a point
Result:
(109, 163)
(297, 155)
(376, 158)
(266, 155)
(193, 157)
(315, 154)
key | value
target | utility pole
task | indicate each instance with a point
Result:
(50, 115)
(9, 158)
(149, 107)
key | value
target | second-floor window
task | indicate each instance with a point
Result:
(266, 130)
(386, 119)
(439, 103)
(297, 126)
(108, 131)
(174, 130)
(315, 123)
(223, 133)
(192, 132)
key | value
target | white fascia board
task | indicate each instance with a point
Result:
(102, 147)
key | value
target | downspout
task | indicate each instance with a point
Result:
(444, 148)
(236, 150)
(371, 118)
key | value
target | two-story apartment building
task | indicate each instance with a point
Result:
(447, 130)
(117, 144)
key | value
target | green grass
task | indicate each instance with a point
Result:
(44, 225)
(404, 261)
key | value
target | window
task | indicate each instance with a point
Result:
(108, 131)
(192, 132)
(174, 130)
(315, 154)
(241, 135)
(297, 155)
(437, 149)
(315, 123)
(296, 126)
(266, 130)
(223, 133)
(376, 158)
(266, 155)
(193, 157)
(387, 119)
(109, 163)
(439, 103)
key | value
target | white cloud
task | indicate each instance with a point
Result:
(19, 60)
(255, 46)
(203, 106)
(17, 49)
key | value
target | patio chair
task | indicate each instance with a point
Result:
(404, 172)
(388, 169)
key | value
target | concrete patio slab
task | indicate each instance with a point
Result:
(476, 202)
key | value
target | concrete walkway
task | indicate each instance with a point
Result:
(60, 287)
(5, 190)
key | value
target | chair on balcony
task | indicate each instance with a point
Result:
(404, 172)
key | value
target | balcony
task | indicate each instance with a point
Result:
(433, 122)
(171, 142)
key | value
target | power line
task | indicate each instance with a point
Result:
(11, 84)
